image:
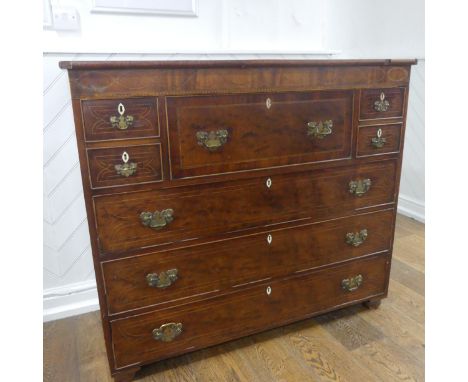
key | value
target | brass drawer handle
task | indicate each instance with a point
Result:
(127, 168)
(212, 140)
(167, 332)
(378, 141)
(121, 122)
(352, 283)
(359, 187)
(163, 280)
(157, 219)
(319, 130)
(382, 104)
(356, 238)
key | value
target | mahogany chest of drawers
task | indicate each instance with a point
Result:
(226, 198)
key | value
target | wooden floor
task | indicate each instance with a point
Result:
(353, 344)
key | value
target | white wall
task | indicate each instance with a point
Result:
(257, 25)
(412, 190)
(375, 28)
(223, 29)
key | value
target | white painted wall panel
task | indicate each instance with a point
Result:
(138, 33)
(412, 190)
(58, 133)
(54, 102)
(63, 195)
(370, 28)
(65, 158)
(294, 24)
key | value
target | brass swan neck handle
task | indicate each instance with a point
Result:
(157, 219)
(212, 140)
(359, 187)
(320, 129)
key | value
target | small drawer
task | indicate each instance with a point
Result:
(169, 276)
(380, 139)
(382, 103)
(120, 118)
(165, 333)
(119, 166)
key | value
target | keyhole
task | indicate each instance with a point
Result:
(268, 290)
(268, 182)
(121, 109)
(125, 157)
(268, 103)
(269, 239)
(382, 96)
(379, 133)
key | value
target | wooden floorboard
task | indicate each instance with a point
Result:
(352, 344)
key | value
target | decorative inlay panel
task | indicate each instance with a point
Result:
(101, 118)
(145, 159)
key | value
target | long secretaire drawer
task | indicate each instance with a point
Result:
(225, 133)
(160, 277)
(164, 333)
(150, 218)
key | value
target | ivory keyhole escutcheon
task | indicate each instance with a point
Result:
(269, 239)
(379, 133)
(121, 108)
(268, 290)
(268, 103)
(125, 157)
(268, 182)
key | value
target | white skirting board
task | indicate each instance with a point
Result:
(70, 300)
(412, 208)
(74, 299)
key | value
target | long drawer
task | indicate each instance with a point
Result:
(164, 333)
(145, 219)
(173, 275)
(224, 133)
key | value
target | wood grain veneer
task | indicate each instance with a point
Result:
(353, 343)
(97, 114)
(390, 132)
(203, 211)
(219, 319)
(267, 178)
(231, 263)
(103, 161)
(259, 135)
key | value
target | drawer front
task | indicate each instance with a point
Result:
(371, 141)
(231, 316)
(382, 103)
(120, 118)
(224, 133)
(211, 267)
(124, 165)
(144, 219)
